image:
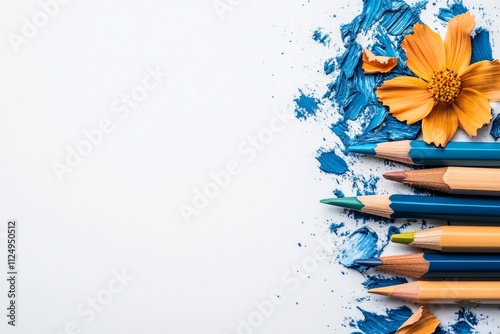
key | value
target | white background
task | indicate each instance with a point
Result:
(119, 209)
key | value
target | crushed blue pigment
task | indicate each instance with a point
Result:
(361, 243)
(332, 163)
(320, 37)
(447, 13)
(481, 46)
(389, 323)
(334, 227)
(378, 281)
(495, 127)
(465, 322)
(306, 106)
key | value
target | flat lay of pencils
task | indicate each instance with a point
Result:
(460, 264)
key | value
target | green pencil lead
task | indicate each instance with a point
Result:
(344, 202)
(403, 238)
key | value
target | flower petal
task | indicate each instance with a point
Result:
(408, 98)
(483, 76)
(377, 64)
(440, 125)
(425, 51)
(473, 110)
(457, 43)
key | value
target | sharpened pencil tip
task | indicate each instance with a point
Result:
(368, 149)
(395, 176)
(370, 262)
(344, 202)
(384, 291)
(403, 238)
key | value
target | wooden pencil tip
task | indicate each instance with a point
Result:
(384, 291)
(395, 176)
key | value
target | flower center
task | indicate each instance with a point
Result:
(445, 86)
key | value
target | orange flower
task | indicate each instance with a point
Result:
(449, 92)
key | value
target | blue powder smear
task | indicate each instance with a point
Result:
(361, 243)
(465, 322)
(455, 9)
(378, 281)
(374, 323)
(481, 46)
(352, 91)
(332, 163)
(306, 106)
(321, 38)
(334, 227)
(495, 127)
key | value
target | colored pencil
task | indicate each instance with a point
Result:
(416, 152)
(452, 180)
(485, 239)
(438, 265)
(423, 207)
(444, 292)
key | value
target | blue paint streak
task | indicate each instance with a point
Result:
(445, 14)
(379, 281)
(321, 38)
(353, 92)
(329, 66)
(481, 46)
(332, 163)
(495, 127)
(360, 244)
(401, 18)
(374, 323)
(306, 106)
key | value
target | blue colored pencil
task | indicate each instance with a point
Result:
(480, 210)
(438, 265)
(416, 152)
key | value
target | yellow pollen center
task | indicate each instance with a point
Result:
(445, 86)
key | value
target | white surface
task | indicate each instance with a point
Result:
(119, 209)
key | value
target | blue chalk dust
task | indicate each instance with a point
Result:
(332, 163)
(306, 106)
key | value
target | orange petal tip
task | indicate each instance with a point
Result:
(421, 322)
(377, 64)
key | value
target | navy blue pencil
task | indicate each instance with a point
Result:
(480, 210)
(438, 265)
(417, 152)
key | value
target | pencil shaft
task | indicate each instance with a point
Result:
(445, 292)
(459, 239)
(455, 180)
(439, 265)
(419, 153)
